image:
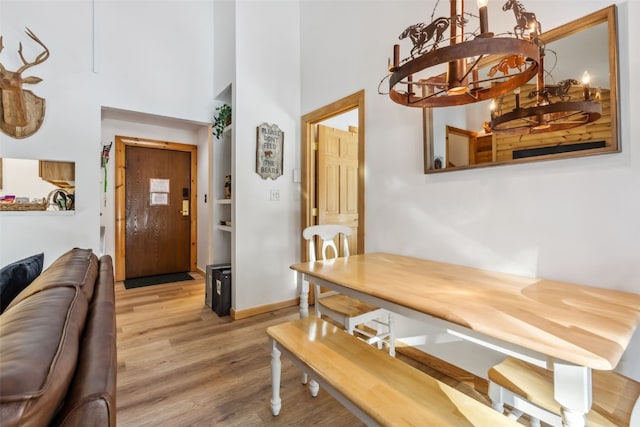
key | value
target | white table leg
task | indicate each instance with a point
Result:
(392, 335)
(276, 368)
(635, 414)
(303, 286)
(572, 390)
(314, 387)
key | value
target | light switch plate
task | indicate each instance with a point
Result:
(297, 177)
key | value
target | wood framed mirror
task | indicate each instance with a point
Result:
(564, 48)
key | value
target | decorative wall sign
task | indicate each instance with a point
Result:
(270, 141)
(21, 111)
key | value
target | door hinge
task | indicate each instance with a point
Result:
(315, 146)
(314, 212)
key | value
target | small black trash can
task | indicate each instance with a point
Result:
(210, 284)
(222, 292)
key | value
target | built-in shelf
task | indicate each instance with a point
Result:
(222, 226)
(223, 208)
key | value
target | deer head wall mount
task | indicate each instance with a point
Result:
(21, 111)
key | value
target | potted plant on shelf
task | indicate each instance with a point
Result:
(221, 120)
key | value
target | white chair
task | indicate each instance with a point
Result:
(373, 324)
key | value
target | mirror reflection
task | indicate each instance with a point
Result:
(463, 137)
(36, 185)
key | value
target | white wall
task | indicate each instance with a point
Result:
(573, 220)
(151, 57)
(267, 89)
(157, 57)
(224, 44)
(71, 127)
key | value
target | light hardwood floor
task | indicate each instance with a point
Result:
(179, 364)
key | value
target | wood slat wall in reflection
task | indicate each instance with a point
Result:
(600, 130)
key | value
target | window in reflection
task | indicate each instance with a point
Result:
(28, 184)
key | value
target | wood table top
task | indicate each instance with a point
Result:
(584, 325)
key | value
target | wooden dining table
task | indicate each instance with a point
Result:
(568, 327)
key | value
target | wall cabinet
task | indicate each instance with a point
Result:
(61, 174)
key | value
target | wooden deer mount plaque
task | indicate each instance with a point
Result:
(21, 111)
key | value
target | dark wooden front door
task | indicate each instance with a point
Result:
(157, 211)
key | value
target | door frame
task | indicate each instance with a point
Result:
(120, 196)
(308, 197)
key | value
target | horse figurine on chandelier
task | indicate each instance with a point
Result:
(561, 90)
(524, 20)
(420, 34)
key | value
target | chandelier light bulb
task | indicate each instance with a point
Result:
(492, 109)
(586, 78)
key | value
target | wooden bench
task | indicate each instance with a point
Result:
(528, 388)
(377, 388)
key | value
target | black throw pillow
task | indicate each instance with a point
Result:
(17, 276)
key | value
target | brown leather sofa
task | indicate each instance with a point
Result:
(58, 346)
